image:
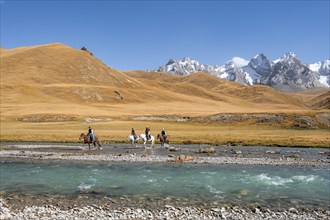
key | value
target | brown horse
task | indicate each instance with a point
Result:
(87, 140)
(162, 141)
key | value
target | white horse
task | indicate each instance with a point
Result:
(133, 141)
(151, 140)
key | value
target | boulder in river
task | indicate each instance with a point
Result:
(210, 150)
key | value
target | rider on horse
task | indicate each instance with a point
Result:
(134, 134)
(147, 133)
(91, 133)
(164, 134)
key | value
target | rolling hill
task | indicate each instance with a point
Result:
(57, 79)
(321, 101)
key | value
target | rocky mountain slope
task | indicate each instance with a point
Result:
(286, 73)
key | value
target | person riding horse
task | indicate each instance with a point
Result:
(134, 134)
(147, 133)
(164, 134)
(90, 133)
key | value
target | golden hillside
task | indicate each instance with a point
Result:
(321, 101)
(55, 68)
(57, 79)
(229, 96)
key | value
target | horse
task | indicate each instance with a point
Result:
(87, 140)
(133, 140)
(162, 141)
(151, 140)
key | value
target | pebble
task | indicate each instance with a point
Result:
(293, 210)
(169, 212)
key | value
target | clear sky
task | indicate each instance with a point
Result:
(143, 35)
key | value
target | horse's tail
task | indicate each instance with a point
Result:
(82, 135)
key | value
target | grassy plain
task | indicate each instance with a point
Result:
(180, 133)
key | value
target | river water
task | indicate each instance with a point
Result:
(270, 186)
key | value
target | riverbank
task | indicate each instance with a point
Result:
(166, 212)
(161, 155)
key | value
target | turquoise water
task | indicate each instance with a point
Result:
(272, 186)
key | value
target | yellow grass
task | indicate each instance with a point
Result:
(54, 80)
(180, 133)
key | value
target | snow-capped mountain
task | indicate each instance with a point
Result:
(185, 67)
(261, 64)
(289, 74)
(323, 68)
(232, 71)
(286, 73)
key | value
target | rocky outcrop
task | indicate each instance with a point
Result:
(85, 49)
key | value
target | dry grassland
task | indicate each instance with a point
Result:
(180, 133)
(53, 93)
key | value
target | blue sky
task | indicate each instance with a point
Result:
(143, 35)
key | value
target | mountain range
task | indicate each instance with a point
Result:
(287, 73)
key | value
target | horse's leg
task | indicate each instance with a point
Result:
(98, 143)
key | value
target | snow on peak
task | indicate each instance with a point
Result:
(259, 56)
(239, 62)
(325, 80)
(287, 56)
(290, 55)
(171, 61)
(323, 67)
(186, 59)
(259, 59)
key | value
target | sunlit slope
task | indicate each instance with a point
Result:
(321, 101)
(55, 79)
(229, 95)
(56, 70)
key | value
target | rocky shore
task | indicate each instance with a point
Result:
(166, 212)
(147, 157)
